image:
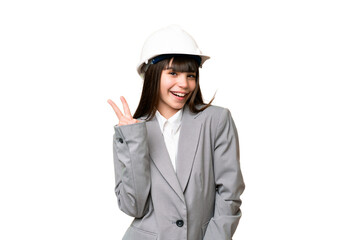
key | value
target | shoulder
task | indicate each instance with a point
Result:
(213, 111)
(216, 121)
(214, 117)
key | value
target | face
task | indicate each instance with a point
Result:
(175, 89)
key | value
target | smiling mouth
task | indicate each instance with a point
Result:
(180, 95)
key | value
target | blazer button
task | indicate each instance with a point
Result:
(121, 140)
(179, 223)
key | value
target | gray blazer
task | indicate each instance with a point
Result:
(201, 200)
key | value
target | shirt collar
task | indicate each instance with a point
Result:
(175, 120)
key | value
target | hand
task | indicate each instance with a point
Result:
(123, 119)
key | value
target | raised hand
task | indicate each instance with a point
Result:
(123, 119)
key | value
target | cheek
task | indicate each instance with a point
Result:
(192, 85)
(163, 85)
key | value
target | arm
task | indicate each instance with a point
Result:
(132, 168)
(228, 179)
(131, 162)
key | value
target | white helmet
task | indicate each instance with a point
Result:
(168, 40)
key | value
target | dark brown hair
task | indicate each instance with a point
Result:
(151, 88)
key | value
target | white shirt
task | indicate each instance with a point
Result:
(170, 129)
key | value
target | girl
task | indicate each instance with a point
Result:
(177, 159)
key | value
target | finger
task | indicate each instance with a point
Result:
(117, 111)
(126, 107)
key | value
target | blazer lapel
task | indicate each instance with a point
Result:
(188, 143)
(160, 156)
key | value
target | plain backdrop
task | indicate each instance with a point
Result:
(287, 70)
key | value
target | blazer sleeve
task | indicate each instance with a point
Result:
(228, 179)
(132, 168)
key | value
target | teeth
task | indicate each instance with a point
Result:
(179, 94)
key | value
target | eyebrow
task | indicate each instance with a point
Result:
(170, 68)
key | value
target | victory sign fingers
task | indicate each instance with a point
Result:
(126, 118)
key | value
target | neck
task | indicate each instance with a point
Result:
(167, 113)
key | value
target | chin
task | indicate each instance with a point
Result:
(178, 107)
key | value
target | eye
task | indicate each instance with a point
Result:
(191, 76)
(173, 73)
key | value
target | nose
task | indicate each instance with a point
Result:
(183, 80)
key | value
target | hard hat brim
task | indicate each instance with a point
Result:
(140, 68)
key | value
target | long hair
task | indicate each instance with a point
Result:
(150, 93)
